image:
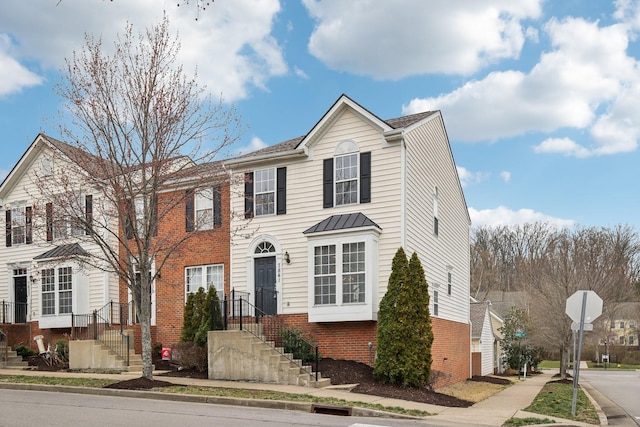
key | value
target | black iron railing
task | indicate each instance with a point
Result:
(105, 325)
(4, 339)
(239, 313)
(13, 312)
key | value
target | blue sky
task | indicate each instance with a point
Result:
(538, 97)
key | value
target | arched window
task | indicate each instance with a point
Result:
(264, 248)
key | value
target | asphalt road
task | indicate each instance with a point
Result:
(36, 408)
(621, 392)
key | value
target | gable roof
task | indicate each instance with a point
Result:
(298, 146)
(342, 222)
(477, 315)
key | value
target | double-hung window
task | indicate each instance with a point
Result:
(205, 277)
(18, 225)
(265, 192)
(347, 179)
(204, 209)
(56, 291)
(264, 186)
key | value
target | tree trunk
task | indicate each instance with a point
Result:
(563, 362)
(145, 326)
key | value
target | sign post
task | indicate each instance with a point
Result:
(581, 306)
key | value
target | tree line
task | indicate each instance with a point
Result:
(546, 265)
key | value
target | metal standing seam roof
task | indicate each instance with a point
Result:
(73, 249)
(342, 222)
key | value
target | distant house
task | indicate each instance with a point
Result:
(621, 324)
(40, 285)
(325, 213)
(483, 341)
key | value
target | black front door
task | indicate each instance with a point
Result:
(265, 276)
(20, 299)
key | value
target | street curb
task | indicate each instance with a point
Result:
(586, 388)
(218, 400)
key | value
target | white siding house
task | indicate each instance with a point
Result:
(482, 337)
(320, 217)
(40, 283)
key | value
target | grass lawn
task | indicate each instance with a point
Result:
(623, 366)
(211, 391)
(555, 400)
(549, 364)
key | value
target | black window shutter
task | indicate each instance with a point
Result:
(217, 207)
(281, 195)
(365, 177)
(88, 213)
(130, 217)
(327, 183)
(49, 220)
(8, 226)
(189, 210)
(28, 229)
(248, 195)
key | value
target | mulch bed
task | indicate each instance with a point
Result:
(340, 372)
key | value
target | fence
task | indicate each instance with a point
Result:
(13, 312)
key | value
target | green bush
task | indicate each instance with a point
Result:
(24, 351)
(62, 350)
(294, 342)
(201, 315)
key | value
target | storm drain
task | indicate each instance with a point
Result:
(318, 408)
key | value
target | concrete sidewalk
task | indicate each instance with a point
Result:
(493, 411)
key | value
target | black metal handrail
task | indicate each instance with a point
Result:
(13, 312)
(240, 313)
(105, 325)
(5, 339)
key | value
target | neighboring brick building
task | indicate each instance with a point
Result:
(199, 222)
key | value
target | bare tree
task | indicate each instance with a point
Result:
(140, 128)
(550, 265)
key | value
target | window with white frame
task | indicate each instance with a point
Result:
(622, 340)
(353, 273)
(435, 303)
(449, 284)
(264, 187)
(343, 276)
(346, 179)
(622, 324)
(56, 292)
(205, 277)
(632, 340)
(324, 282)
(18, 224)
(204, 209)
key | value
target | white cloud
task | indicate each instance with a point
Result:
(411, 37)
(565, 146)
(503, 216)
(230, 43)
(467, 177)
(587, 81)
(255, 144)
(506, 176)
(13, 76)
(300, 73)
